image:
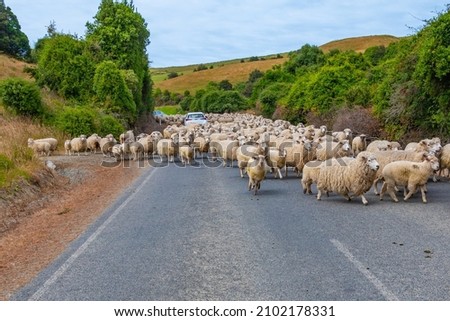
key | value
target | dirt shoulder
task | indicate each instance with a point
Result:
(44, 217)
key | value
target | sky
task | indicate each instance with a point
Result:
(187, 32)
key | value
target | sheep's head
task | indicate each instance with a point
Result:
(433, 160)
(370, 160)
(345, 145)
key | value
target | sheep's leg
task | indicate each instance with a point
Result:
(375, 186)
(383, 190)
(391, 192)
(364, 200)
(424, 194)
(412, 190)
(279, 173)
(319, 194)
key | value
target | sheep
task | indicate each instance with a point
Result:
(168, 147)
(40, 148)
(79, 144)
(445, 160)
(276, 160)
(379, 145)
(106, 144)
(346, 134)
(93, 143)
(410, 175)
(244, 154)
(297, 154)
(386, 157)
(359, 144)
(186, 154)
(52, 141)
(225, 149)
(136, 149)
(127, 135)
(329, 150)
(117, 152)
(348, 176)
(67, 147)
(201, 144)
(256, 171)
(311, 172)
(425, 145)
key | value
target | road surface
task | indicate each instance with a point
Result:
(196, 233)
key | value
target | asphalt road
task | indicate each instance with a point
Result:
(196, 233)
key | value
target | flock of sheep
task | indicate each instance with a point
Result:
(334, 161)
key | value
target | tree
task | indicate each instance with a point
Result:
(121, 34)
(12, 40)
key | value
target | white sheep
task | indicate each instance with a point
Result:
(348, 176)
(128, 135)
(256, 171)
(40, 148)
(106, 144)
(298, 154)
(201, 144)
(245, 153)
(445, 160)
(93, 143)
(327, 150)
(379, 145)
(359, 144)
(225, 149)
(168, 147)
(410, 175)
(346, 134)
(136, 149)
(186, 154)
(67, 147)
(311, 172)
(52, 141)
(79, 144)
(276, 160)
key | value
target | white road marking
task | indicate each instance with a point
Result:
(65, 266)
(361, 268)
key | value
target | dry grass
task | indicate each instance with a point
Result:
(233, 72)
(17, 160)
(10, 67)
(359, 44)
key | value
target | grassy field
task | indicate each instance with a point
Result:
(236, 71)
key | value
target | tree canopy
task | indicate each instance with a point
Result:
(12, 40)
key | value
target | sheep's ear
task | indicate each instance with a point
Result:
(425, 156)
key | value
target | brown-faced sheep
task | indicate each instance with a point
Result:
(409, 175)
(348, 176)
(93, 143)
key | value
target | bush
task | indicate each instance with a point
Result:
(76, 121)
(21, 97)
(109, 125)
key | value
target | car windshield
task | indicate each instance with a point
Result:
(195, 116)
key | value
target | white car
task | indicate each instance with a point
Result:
(195, 118)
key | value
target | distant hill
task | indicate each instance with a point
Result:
(236, 71)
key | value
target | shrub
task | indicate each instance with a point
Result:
(21, 97)
(76, 121)
(109, 125)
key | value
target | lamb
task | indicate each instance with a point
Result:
(67, 147)
(311, 172)
(329, 150)
(52, 141)
(348, 176)
(186, 153)
(40, 148)
(359, 144)
(244, 154)
(256, 171)
(79, 144)
(276, 160)
(386, 157)
(410, 175)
